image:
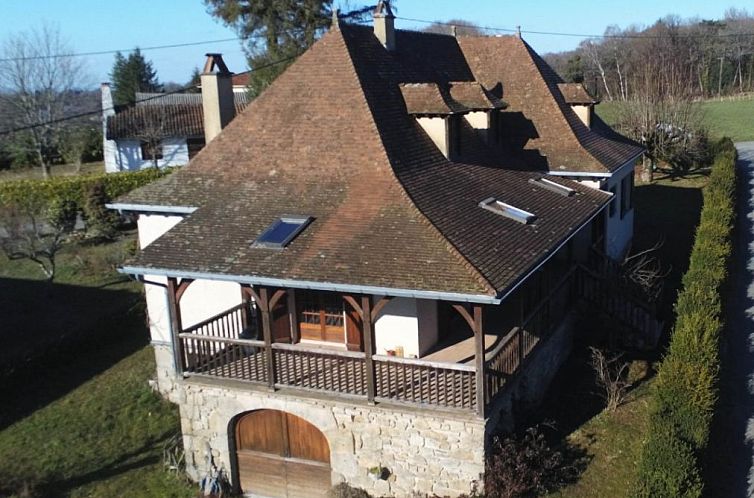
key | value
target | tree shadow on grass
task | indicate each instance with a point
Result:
(56, 338)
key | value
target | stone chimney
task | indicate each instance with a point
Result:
(384, 25)
(217, 96)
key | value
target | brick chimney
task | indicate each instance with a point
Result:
(217, 96)
(384, 25)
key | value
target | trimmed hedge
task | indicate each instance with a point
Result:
(684, 396)
(74, 188)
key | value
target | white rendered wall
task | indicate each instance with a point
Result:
(584, 112)
(436, 128)
(202, 299)
(151, 227)
(619, 232)
(408, 323)
(128, 155)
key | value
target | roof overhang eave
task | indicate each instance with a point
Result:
(150, 208)
(313, 285)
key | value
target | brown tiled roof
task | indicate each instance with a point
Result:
(576, 94)
(539, 120)
(241, 79)
(389, 209)
(427, 99)
(169, 116)
(474, 97)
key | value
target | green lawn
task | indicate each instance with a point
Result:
(732, 118)
(79, 418)
(613, 441)
(56, 170)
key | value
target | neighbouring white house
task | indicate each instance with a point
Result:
(380, 261)
(166, 127)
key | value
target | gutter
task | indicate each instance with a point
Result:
(149, 208)
(596, 175)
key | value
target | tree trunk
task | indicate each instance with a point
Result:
(78, 166)
(43, 164)
(720, 79)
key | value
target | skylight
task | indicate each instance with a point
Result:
(282, 231)
(503, 209)
(553, 187)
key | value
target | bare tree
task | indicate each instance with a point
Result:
(30, 231)
(462, 28)
(151, 132)
(38, 80)
(612, 380)
(75, 142)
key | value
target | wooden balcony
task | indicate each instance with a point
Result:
(214, 348)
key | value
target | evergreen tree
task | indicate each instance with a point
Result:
(276, 30)
(132, 74)
(574, 72)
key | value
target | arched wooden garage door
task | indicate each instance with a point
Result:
(281, 455)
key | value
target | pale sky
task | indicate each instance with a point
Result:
(97, 25)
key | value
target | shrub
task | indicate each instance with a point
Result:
(684, 396)
(100, 221)
(62, 214)
(344, 490)
(524, 465)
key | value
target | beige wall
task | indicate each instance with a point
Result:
(584, 112)
(437, 130)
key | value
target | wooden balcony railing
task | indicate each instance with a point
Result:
(509, 355)
(213, 348)
(416, 381)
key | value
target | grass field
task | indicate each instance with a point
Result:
(732, 118)
(613, 441)
(56, 170)
(79, 417)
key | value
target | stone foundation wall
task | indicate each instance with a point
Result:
(423, 453)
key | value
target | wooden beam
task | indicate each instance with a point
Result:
(461, 309)
(367, 339)
(355, 305)
(249, 290)
(174, 311)
(276, 296)
(479, 362)
(182, 286)
(378, 307)
(267, 333)
(293, 315)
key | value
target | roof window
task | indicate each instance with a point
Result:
(503, 209)
(552, 186)
(282, 231)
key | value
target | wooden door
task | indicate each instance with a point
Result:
(281, 323)
(281, 455)
(321, 316)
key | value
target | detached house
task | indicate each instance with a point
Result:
(377, 263)
(166, 127)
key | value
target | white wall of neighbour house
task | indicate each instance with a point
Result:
(406, 323)
(128, 155)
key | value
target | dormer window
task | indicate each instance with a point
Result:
(281, 232)
(511, 212)
(580, 101)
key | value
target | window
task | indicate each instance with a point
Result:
(281, 232)
(150, 151)
(321, 316)
(614, 200)
(507, 210)
(626, 194)
(552, 186)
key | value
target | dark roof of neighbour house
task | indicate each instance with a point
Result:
(576, 94)
(333, 139)
(167, 115)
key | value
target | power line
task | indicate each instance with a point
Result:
(578, 35)
(161, 95)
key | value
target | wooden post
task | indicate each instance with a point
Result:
(264, 306)
(366, 330)
(479, 360)
(293, 316)
(174, 311)
(246, 310)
